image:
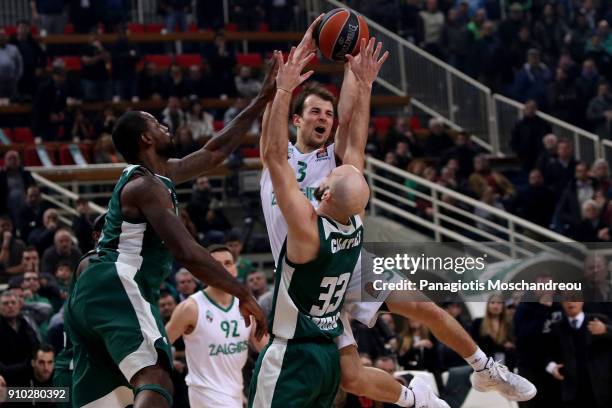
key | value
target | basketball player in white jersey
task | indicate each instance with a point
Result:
(216, 341)
(311, 160)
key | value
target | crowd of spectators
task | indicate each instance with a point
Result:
(557, 53)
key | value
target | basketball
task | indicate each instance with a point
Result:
(340, 33)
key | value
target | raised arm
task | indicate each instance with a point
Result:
(365, 67)
(148, 197)
(302, 237)
(346, 103)
(226, 141)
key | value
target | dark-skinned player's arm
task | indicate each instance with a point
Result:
(217, 149)
(301, 218)
(365, 67)
(148, 197)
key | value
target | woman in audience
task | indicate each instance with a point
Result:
(493, 332)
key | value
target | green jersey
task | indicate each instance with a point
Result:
(308, 297)
(134, 242)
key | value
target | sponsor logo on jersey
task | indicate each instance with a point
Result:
(228, 348)
(326, 323)
(209, 316)
(341, 244)
(307, 191)
(322, 154)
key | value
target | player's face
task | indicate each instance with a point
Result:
(161, 138)
(226, 259)
(315, 124)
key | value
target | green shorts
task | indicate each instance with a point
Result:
(296, 374)
(62, 374)
(115, 333)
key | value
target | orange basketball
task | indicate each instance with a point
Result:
(340, 32)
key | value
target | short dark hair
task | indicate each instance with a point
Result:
(45, 348)
(219, 248)
(126, 134)
(30, 248)
(6, 217)
(63, 263)
(312, 88)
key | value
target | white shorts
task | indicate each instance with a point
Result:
(362, 304)
(206, 398)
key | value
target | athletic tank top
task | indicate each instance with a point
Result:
(310, 169)
(308, 297)
(217, 348)
(134, 242)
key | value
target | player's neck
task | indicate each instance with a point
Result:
(153, 162)
(330, 212)
(304, 148)
(219, 297)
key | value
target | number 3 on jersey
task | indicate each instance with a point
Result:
(334, 288)
(301, 171)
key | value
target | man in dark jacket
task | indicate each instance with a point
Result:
(569, 210)
(532, 321)
(527, 136)
(14, 181)
(535, 202)
(17, 338)
(580, 357)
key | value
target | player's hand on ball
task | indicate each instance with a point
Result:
(308, 45)
(268, 88)
(367, 64)
(248, 308)
(289, 74)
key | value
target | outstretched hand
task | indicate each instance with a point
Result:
(249, 307)
(366, 65)
(268, 88)
(289, 74)
(308, 45)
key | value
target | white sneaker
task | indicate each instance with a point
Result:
(424, 396)
(496, 377)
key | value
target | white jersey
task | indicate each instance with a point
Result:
(310, 169)
(217, 348)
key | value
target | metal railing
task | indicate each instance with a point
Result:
(398, 194)
(434, 87)
(441, 90)
(508, 111)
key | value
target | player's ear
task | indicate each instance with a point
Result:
(326, 195)
(146, 139)
(296, 119)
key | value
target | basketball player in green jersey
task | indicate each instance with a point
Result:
(300, 367)
(112, 317)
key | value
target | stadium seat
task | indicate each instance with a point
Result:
(87, 151)
(10, 30)
(264, 27)
(30, 157)
(69, 29)
(160, 60)
(381, 124)
(8, 132)
(333, 89)
(154, 28)
(72, 63)
(22, 135)
(218, 125)
(187, 60)
(250, 152)
(65, 155)
(136, 28)
(193, 28)
(231, 27)
(252, 60)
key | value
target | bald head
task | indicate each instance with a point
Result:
(344, 192)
